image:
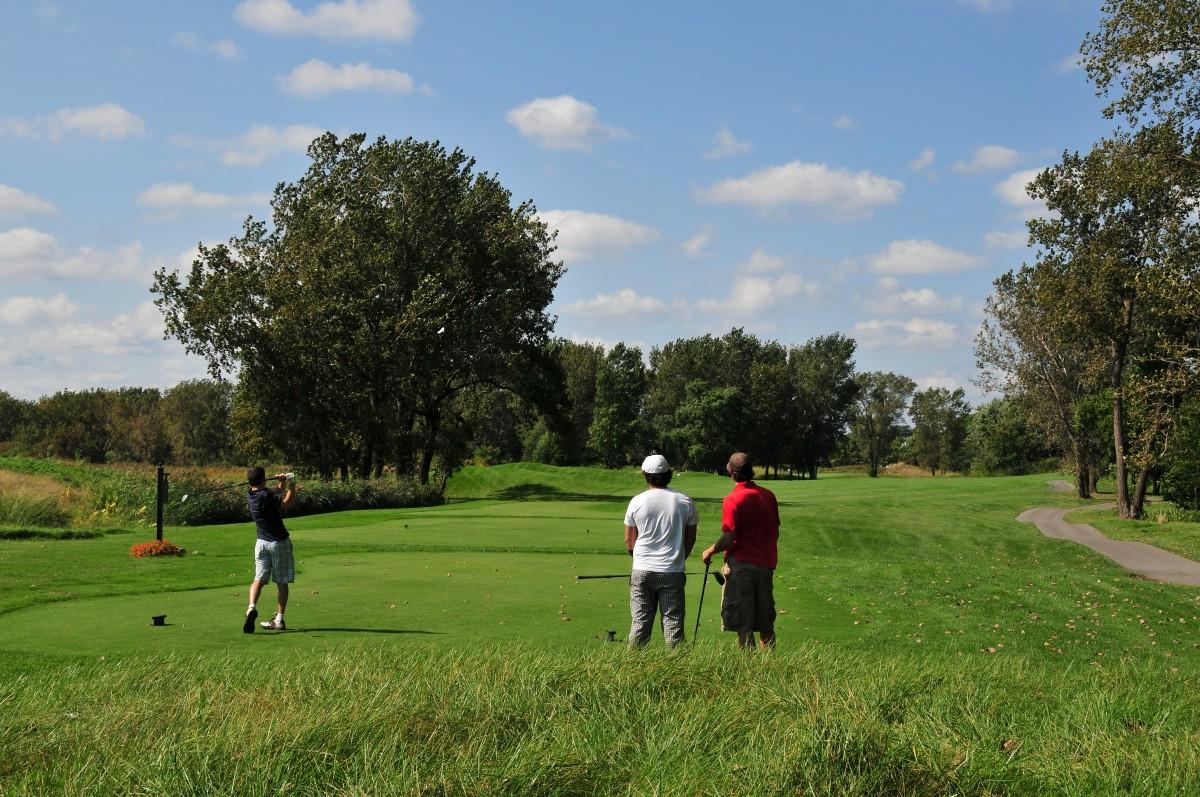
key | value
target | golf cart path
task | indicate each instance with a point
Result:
(1144, 560)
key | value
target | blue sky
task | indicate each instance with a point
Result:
(796, 169)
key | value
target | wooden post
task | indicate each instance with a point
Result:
(160, 500)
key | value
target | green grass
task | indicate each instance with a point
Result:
(450, 650)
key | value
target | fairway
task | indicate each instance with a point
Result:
(938, 563)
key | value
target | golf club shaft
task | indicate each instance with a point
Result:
(224, 487)
(621, 575)
(696, 632)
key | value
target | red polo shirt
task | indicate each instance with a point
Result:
(751, 514)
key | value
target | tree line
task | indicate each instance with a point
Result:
(798, 408)
(1098, 338)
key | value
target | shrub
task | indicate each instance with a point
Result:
(155, 548)
(313, 498)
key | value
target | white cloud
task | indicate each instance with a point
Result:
(22, 310)
(1070, 63)
(97, 121)
(761, 262)
(988, 6)
(257, 144)
(562, 123)
(727, 145)
(187, 41)
(586, 236)
(920, 257)
(1012, 190)
(751, 295)
(924, 160)
(26, 252)
(227, 49)
(845, 122)
(186, 195)
(1008, 239)
(988, 158)
(912, 301)
(14, 201)
(833, 193)
(940, 379)
(124, 334)
(625, 302)
(697, 245)
(315, 78)
(386, 20)
(916, 333)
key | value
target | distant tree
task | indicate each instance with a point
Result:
(1000, 441)
(73, 425)
(580, 364)
(823, 385)
(14, 413)
(196, 418)
(876, 415)
(136, 424)
(939, 419)
(1181, 460)
(772, 407)
(394, 277)
(616, 436)
(707, 424)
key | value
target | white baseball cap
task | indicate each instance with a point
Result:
(655, 463)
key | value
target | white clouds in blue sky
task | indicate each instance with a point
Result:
(800, 170)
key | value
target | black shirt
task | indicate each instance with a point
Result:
(265, 509)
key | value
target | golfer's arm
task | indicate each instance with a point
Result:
(689, 540)
(630, 538)
(723, 543)
(289, 496)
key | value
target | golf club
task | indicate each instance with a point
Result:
(696, 632)
(621, 575)
(186, 496)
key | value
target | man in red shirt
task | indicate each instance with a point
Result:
(749, 538)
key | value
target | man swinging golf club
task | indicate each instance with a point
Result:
(749, 538)
(660, 531)
(273, 550)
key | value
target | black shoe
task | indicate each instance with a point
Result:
(248, 626)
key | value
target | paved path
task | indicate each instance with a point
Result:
(1136, 557)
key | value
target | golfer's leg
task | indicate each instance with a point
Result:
(641, 608)
(256, 588)
(671, 607)
(283, 596)
(746, 640)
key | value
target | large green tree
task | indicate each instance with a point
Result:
(824, 390)
(392, 278)
(617, 434)
(877, 413)
(939, 419)
(196, 419)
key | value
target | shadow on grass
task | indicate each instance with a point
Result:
(361, 631)
(546, 492)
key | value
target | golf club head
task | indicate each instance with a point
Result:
(186, 496)
(719, 577)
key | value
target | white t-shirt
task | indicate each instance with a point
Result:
(660, 516)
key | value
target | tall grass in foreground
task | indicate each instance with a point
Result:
(514, 721)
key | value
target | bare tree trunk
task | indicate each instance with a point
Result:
(1118, 419)
(1139, 494)
(1081, 471)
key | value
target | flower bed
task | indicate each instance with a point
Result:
(155, 548)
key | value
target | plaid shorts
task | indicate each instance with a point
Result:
(748, 600)
(274, 560)
(650, 591)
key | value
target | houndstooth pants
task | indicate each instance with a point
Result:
(650, 591)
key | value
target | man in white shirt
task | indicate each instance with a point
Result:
(660, 530)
